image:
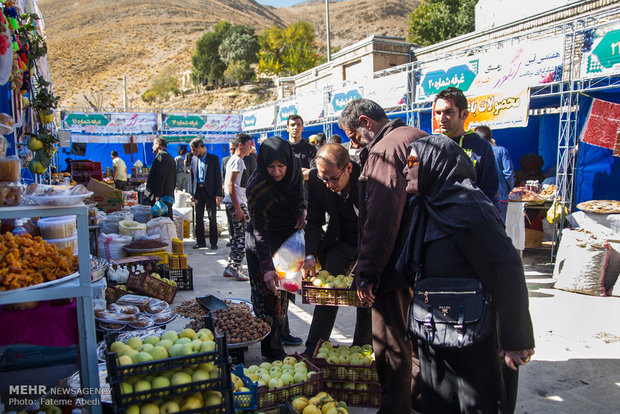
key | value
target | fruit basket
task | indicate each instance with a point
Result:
(245, 400)
(152, 286)
(113, 292)
(358, 394)
(184, 278)
(330, 296)
(269, 397)
(345, 372)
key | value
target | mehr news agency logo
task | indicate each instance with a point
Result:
(26, 395)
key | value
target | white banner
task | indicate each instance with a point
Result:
(260, 118)
(388, 91)
(176, 122)
(341, 97)
(310, 106)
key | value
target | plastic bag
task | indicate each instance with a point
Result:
(291, 254)
(554, 214)
(159, 209)
(130, 227)
(165, 228)
(111, 246)
(291, 282)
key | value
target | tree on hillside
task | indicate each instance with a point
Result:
(239, 46)
(162, 85)
(237, 71)
(206, 62)
(437, 20)
(287, 51)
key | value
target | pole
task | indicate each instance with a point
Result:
(124, 93)
(329, 52)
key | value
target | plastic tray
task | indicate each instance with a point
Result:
(59, 200)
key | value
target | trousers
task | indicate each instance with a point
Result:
(204, 201)
(237, 240)
(338, 259)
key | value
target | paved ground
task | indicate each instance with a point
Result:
(576, 368)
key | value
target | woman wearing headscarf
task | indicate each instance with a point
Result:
(456, 232)
(277, 209)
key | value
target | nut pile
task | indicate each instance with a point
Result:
(239, 324)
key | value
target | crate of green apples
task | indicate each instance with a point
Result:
(330, 290)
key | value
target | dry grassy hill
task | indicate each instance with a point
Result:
(93, 43)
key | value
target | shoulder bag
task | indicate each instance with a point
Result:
(450, 312)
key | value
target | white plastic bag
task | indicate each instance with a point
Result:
(130, 228)
(291, 282)
(291, 254)
(141, 213)
(111, 246)
(165, 228)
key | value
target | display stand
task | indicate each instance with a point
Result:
(78, 288)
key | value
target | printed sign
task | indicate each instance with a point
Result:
(388, 91)
(601, 51)
(286, 109)
(511, 68)
(259, 118)
(201, 123)
(496, 110)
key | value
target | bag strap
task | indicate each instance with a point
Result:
(459, 326)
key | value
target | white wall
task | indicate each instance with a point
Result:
(494, 13)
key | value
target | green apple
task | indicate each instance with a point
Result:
(183, 341)
(317, 283)
(159, 352)
(361, 386)
(333, 359)
(133, 409)
(165, 343)
(160, 382)
(208, 332)
(322, 355)
(207, 346)
(300, 364)
(290, 360)
(142, 385)
(348, 386)
(310, 374)
(323, 274)
(276, 363)
(287, 368)
(169, 407)
(134, 342)
(367, 360)
(131, 354)
(126, 388)
(299, 377)
(356, 348)
(253, 368)
(212, 398)
(188, 349)
(200, 375)
(187, 333)
(143, 357)
(261, 383)
(345, 359)
(196, 343)
(261, 371)
(151, 339)
(352, 374)
(286, 379)
(275, 383)
(207, 366)
(144, 348)
(176, 350)
(275, 373)
(149, 408)
(265, 378)
(265, 365)
(181, 378)
(118, 347)
(170, 335)
(202, 336)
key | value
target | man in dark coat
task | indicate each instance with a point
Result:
(162, 176)
(382, 194)
(205, 184)
(332, 191)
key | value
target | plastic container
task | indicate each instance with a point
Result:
(57, 227)
(11, 193)
(19, 229)
(66, 242)
(10, 169)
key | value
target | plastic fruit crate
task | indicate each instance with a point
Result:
(271, 397)
(245, 400)
(151, 286)
(367, 397)
(184, 278)
(329, 296)
(341, 372)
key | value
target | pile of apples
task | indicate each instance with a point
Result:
(170, 344)
(177, 404)
(346, 355)
(322, 403)
(324, 279)
(278, 373)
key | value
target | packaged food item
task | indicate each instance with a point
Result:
(112, 326)
(65, 242)
(183, 261)
(164, 317)
(156, 306)
(177, 246)
(116, 317)
(136, 300)
(57, 227)
(10, 169)
(142, 322)
(173, 261)
(11, 193)
(128, 309)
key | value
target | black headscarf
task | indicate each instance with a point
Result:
(274, 205)
(447, 200)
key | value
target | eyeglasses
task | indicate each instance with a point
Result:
(413, 160)
(332, 180)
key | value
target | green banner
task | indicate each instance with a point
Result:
(83, 119)
(184, 122)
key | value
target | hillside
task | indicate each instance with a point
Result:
(93, 43)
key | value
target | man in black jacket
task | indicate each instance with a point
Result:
(301, 148)
(332, 190)
(205, 184)
(162, 176)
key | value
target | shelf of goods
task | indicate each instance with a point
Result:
(78, 288)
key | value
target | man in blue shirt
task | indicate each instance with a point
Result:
(206, 188)
(505, 170)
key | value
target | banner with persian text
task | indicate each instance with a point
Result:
(341, 97)
(510, 68)
(200, 123)
(259, 118)
(389, 91)
(110, 127)
(601, 51)
(497, 110)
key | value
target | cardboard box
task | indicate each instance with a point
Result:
(107, 197)
(533, 239)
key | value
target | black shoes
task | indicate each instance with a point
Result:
(199, 246)
(291, 340)
(214, 247)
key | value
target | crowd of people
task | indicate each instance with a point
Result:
(392, 206)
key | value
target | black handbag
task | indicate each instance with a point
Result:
(450, 312)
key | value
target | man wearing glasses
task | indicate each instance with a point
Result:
(382, 194)
(332, 190)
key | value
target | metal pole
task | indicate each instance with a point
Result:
(329, 52)
(124, 93)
